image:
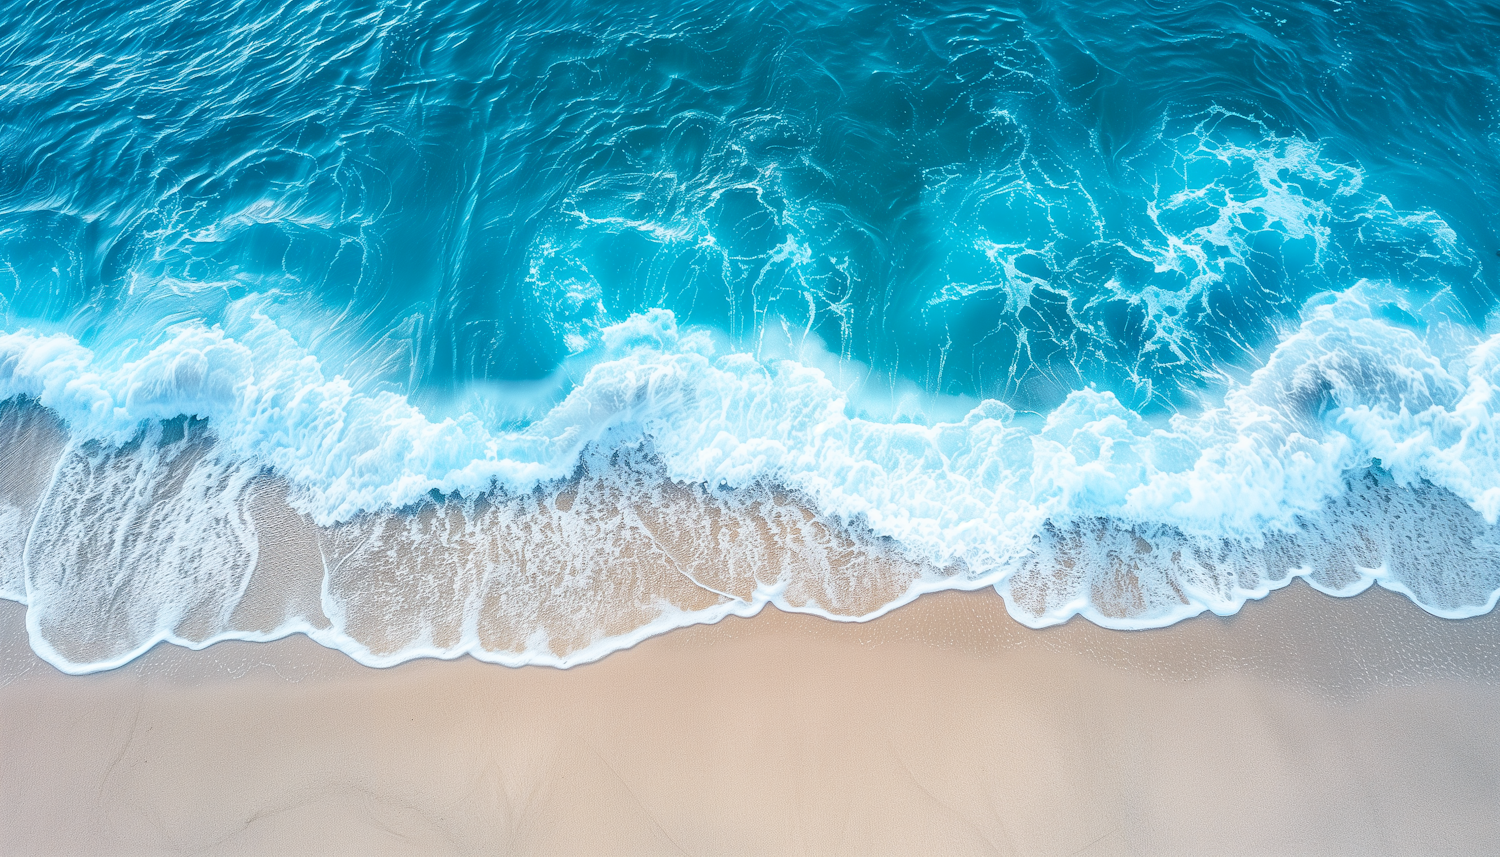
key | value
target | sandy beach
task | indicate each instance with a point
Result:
(1303, 725)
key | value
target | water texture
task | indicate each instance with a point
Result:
(526, 330)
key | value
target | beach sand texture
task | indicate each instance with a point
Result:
(1303, 725)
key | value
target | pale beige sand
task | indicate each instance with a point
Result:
(1304, 725)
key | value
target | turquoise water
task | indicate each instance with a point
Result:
(979, 200)
(952, 274)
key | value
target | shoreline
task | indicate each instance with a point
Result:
(1304, 724)
(614, 555)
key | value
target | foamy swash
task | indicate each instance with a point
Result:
(746, 483)
(528, 332)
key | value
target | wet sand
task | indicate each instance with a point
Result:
(1304, 725)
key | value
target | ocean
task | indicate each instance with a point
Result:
(528, 330)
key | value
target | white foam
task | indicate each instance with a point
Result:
(1345, 387)
(138, 543)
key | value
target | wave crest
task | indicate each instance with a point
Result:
(678, 484)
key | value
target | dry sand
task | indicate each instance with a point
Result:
(1303, 725)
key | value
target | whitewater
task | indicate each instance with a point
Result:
(528, 331)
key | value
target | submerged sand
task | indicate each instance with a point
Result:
(1303, 725)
